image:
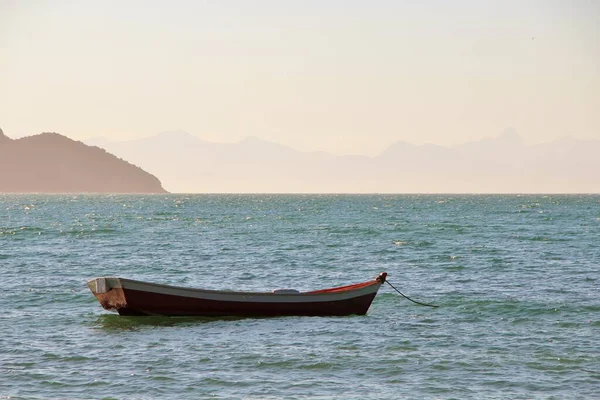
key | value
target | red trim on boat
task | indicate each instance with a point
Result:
(345, 288)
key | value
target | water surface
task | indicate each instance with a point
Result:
(516, 278)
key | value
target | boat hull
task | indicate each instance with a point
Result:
(129, 297)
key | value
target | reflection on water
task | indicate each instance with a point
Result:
(132, 323)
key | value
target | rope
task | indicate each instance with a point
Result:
(408, 298)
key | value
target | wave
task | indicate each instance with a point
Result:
(20, 230)
(89, 232)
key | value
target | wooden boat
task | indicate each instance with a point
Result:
(130, 297)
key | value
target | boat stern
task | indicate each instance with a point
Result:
(109, 293)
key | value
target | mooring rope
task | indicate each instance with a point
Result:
(408, 298)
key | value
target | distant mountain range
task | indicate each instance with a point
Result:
(186, 163)
(52, 163)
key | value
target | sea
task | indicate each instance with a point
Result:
(516, 279)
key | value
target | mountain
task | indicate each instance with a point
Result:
(190, 164)
(52, 163)
(503, 164)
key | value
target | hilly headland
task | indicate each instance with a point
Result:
(53, 163)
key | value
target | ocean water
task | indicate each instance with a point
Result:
(517, 279)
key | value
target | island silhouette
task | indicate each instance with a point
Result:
(53, 163)
(499, 164)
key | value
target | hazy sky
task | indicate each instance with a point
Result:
(339, 76)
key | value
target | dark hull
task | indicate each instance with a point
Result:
(129, 297)
(147, 303)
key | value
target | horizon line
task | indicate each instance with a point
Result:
(308, 193)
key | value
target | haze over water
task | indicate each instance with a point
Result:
(344, 77)
(516, 278)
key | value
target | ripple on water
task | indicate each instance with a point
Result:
(518, 318)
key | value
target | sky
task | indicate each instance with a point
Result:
(346, 77)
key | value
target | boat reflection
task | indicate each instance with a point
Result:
(115, 322)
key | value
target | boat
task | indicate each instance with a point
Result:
(132, 297)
